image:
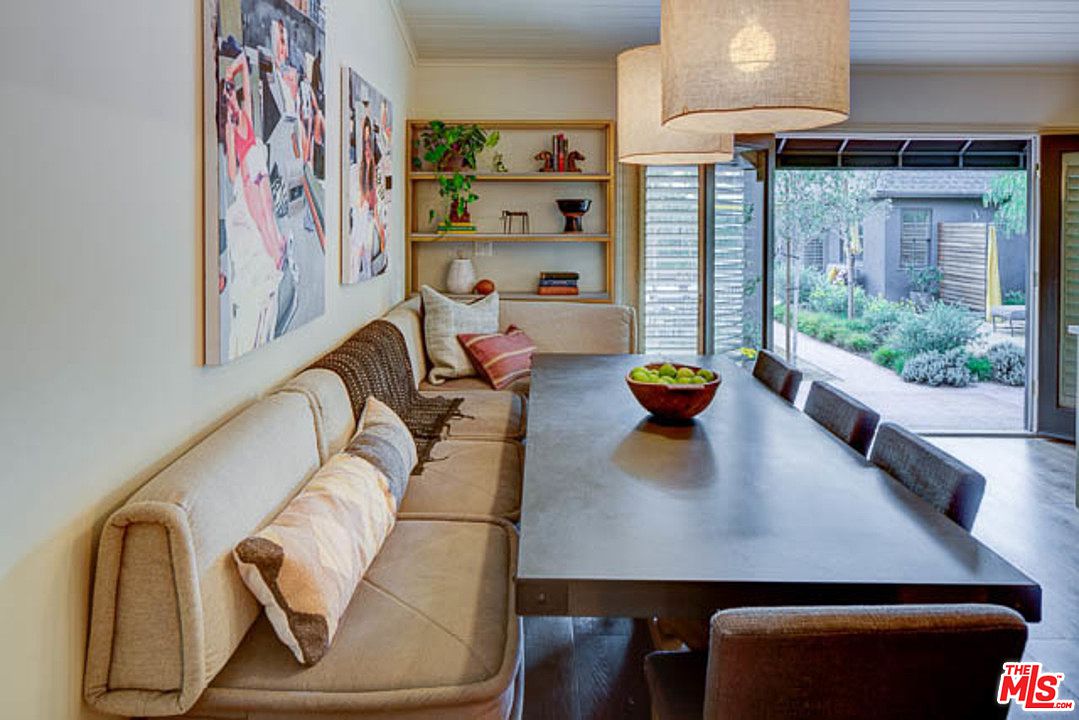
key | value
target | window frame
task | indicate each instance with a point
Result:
(928, 240)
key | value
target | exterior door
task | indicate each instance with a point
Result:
(1058, 285)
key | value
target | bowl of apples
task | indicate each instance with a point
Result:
(673, 392)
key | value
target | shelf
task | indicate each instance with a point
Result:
(588, 297)
(522, 177)
(503, 238)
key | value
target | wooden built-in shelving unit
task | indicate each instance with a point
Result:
(521, 256)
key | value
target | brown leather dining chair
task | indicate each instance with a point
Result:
(930, 662)
(848, 419)
(952, 487)
(777, 375)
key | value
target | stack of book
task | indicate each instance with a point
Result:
(559, 152)
(559, 283)
(456, 227)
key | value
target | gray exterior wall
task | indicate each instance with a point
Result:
(880, 270)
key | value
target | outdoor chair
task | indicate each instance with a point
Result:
(842, 663)
(780, 377)
(851, 421)
(952, 487)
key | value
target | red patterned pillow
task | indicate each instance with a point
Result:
(500, 357)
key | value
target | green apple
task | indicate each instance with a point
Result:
(685, 373)
(683, 380)
(640, 374)
(708, 375)
(668, 370)
(698, 380)
(666, 379)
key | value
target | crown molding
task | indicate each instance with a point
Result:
(961, 69)
(403, 31)
(511, 63)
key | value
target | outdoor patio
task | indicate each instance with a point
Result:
(983, 406)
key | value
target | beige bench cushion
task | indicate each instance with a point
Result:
(449, 387)
(325, 392)
(432, 632)
(488, 414)
(469, 477)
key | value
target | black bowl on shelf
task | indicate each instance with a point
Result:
(573, 210)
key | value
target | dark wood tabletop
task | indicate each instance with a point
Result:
(752, 504)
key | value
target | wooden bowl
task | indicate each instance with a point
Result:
(674, 403)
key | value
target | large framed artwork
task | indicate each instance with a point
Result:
(367, 182)
(265, 171)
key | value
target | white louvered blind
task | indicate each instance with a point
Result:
(670, 259)
(732, 269)
(1069, 279)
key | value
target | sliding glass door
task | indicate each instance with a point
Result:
(702, 257)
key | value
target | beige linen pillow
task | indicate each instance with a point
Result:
(443, 320)
(305, 566)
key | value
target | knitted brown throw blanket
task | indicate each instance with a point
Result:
(375, 362)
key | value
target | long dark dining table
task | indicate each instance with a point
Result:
(753, 504)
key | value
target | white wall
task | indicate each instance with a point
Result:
(964, 99)
(101, 275)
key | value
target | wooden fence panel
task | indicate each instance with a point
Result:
(961, 258)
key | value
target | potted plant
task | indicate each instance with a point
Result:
(452, 149)
(924, 285)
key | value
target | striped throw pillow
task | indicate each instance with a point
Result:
(501, 358)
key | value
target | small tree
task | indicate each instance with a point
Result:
(1007, 193)
(852, 197)
(801, 215)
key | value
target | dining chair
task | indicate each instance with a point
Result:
(842, 663)
(848, 419)
(780, 377)
(952, 487)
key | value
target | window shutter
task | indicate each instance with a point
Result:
(1069, 278)
(733, 267)
(671, 259)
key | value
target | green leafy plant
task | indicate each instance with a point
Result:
(1015, 297)
(451, 149)
(940, 328)
(980, 367)
(860, 342)
(1009, 364)
(924, 279)
(889, 357)
(939, 368)
(882, 316)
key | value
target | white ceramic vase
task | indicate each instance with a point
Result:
(461, 277)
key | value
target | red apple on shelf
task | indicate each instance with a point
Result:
(484, 287)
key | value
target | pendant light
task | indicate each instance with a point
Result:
(755, 66)
(642, 139)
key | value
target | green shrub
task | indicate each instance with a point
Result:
(828, 330)
(860, 342)
(882, 316)
(828, 297)
(939, 368)
(940, 328)
(809, 323)
(887, 356)
(980, 367)
(1015, 297)
(1009, 364)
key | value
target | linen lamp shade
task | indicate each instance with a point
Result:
(755, 66)
(642, 139)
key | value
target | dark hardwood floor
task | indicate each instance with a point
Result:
(591, 668)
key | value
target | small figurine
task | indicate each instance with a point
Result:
(572, 159)
(498, 164)
(508, 216)
(547, 158)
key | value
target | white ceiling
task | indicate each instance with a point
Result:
(885, 32)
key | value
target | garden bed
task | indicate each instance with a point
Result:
(938, 344)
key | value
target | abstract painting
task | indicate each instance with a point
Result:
(265, 171)
(367, 167)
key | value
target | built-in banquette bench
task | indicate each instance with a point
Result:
(431, 631)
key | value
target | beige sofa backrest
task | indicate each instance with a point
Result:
(328, 397)
(169, 608)
(573, 327)
(556, 327)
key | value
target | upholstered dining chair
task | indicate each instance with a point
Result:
(842, 663)
(952, 487)
(851, 421)
(780, 377)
